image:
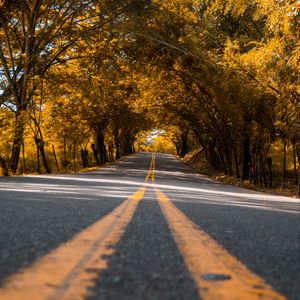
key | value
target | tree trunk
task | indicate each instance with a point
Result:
(127, 145)
(183, 150)
(41, 146)
(295, 165)
(222, 155)
(95, 153)
(284, 165)
(74, 156)
(212, 156)
(118, 151)
(251, 171)
(17, 144)
(55, 158)
(65, 153)
(45, 162)
(229, 161)
(254, 168)
(269, 162)
(38, 167)
(3, 166)
(23, 157)
(84, 158)
(117, 143)
(262, 170)
(236, 162)
(246, 158)
(111, 152)
(101, 149)
(223, 164)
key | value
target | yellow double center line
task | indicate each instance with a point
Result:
(151, 169)
(66, 272)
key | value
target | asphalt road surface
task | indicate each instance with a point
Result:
(147, 227)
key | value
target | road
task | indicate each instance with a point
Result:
(147, 227)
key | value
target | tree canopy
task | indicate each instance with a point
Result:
(77, 74)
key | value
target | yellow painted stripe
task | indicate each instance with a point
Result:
(204, 256)
(66, 272)
(150, 171)
(153, 168)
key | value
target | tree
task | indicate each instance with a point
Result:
(35, 35)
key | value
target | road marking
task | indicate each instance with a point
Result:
(67, 271)
(151, 169)
(217, 274)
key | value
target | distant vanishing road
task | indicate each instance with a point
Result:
(147, 227)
